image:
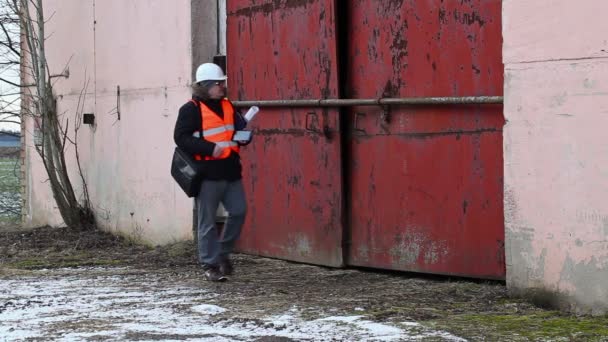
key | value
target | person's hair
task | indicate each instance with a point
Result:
(201, 89)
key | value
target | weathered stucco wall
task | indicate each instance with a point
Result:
(145, 48)
(555, 152)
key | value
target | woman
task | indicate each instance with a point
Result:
(205, 127)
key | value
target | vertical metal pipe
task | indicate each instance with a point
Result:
(218, 27)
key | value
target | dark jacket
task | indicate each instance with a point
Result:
(188, 122)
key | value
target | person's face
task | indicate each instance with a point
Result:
(218, 90)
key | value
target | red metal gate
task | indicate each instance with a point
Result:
(292, 170)
(426, 182)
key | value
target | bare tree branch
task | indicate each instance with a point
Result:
(42, 105)
(9, 44)
(11, 121)
(11, 83)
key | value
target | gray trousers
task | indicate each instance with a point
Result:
(211, 246)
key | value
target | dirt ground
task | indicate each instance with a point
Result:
(440, 308)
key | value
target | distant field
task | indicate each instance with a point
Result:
(10, 197)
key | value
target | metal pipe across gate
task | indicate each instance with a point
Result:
(373, 102)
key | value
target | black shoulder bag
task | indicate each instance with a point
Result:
(186, 171)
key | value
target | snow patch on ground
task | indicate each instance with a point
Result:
(207, 309)
(83, 304)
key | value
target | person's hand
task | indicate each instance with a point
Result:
(217, 151)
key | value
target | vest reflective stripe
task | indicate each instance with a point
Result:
(222, 129)
(217, 130)
(226, 143)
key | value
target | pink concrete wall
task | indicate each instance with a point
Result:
(556, 153)
(145, 48)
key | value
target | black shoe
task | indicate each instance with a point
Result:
(212, 273)
(226, 267)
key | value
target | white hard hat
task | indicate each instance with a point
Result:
(209, 72)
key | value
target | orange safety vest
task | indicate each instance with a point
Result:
(217, 130)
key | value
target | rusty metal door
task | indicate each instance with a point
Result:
(426, 182)
(292, 169)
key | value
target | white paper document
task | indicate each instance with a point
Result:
(251, 113)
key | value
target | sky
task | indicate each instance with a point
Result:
(8, 102)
